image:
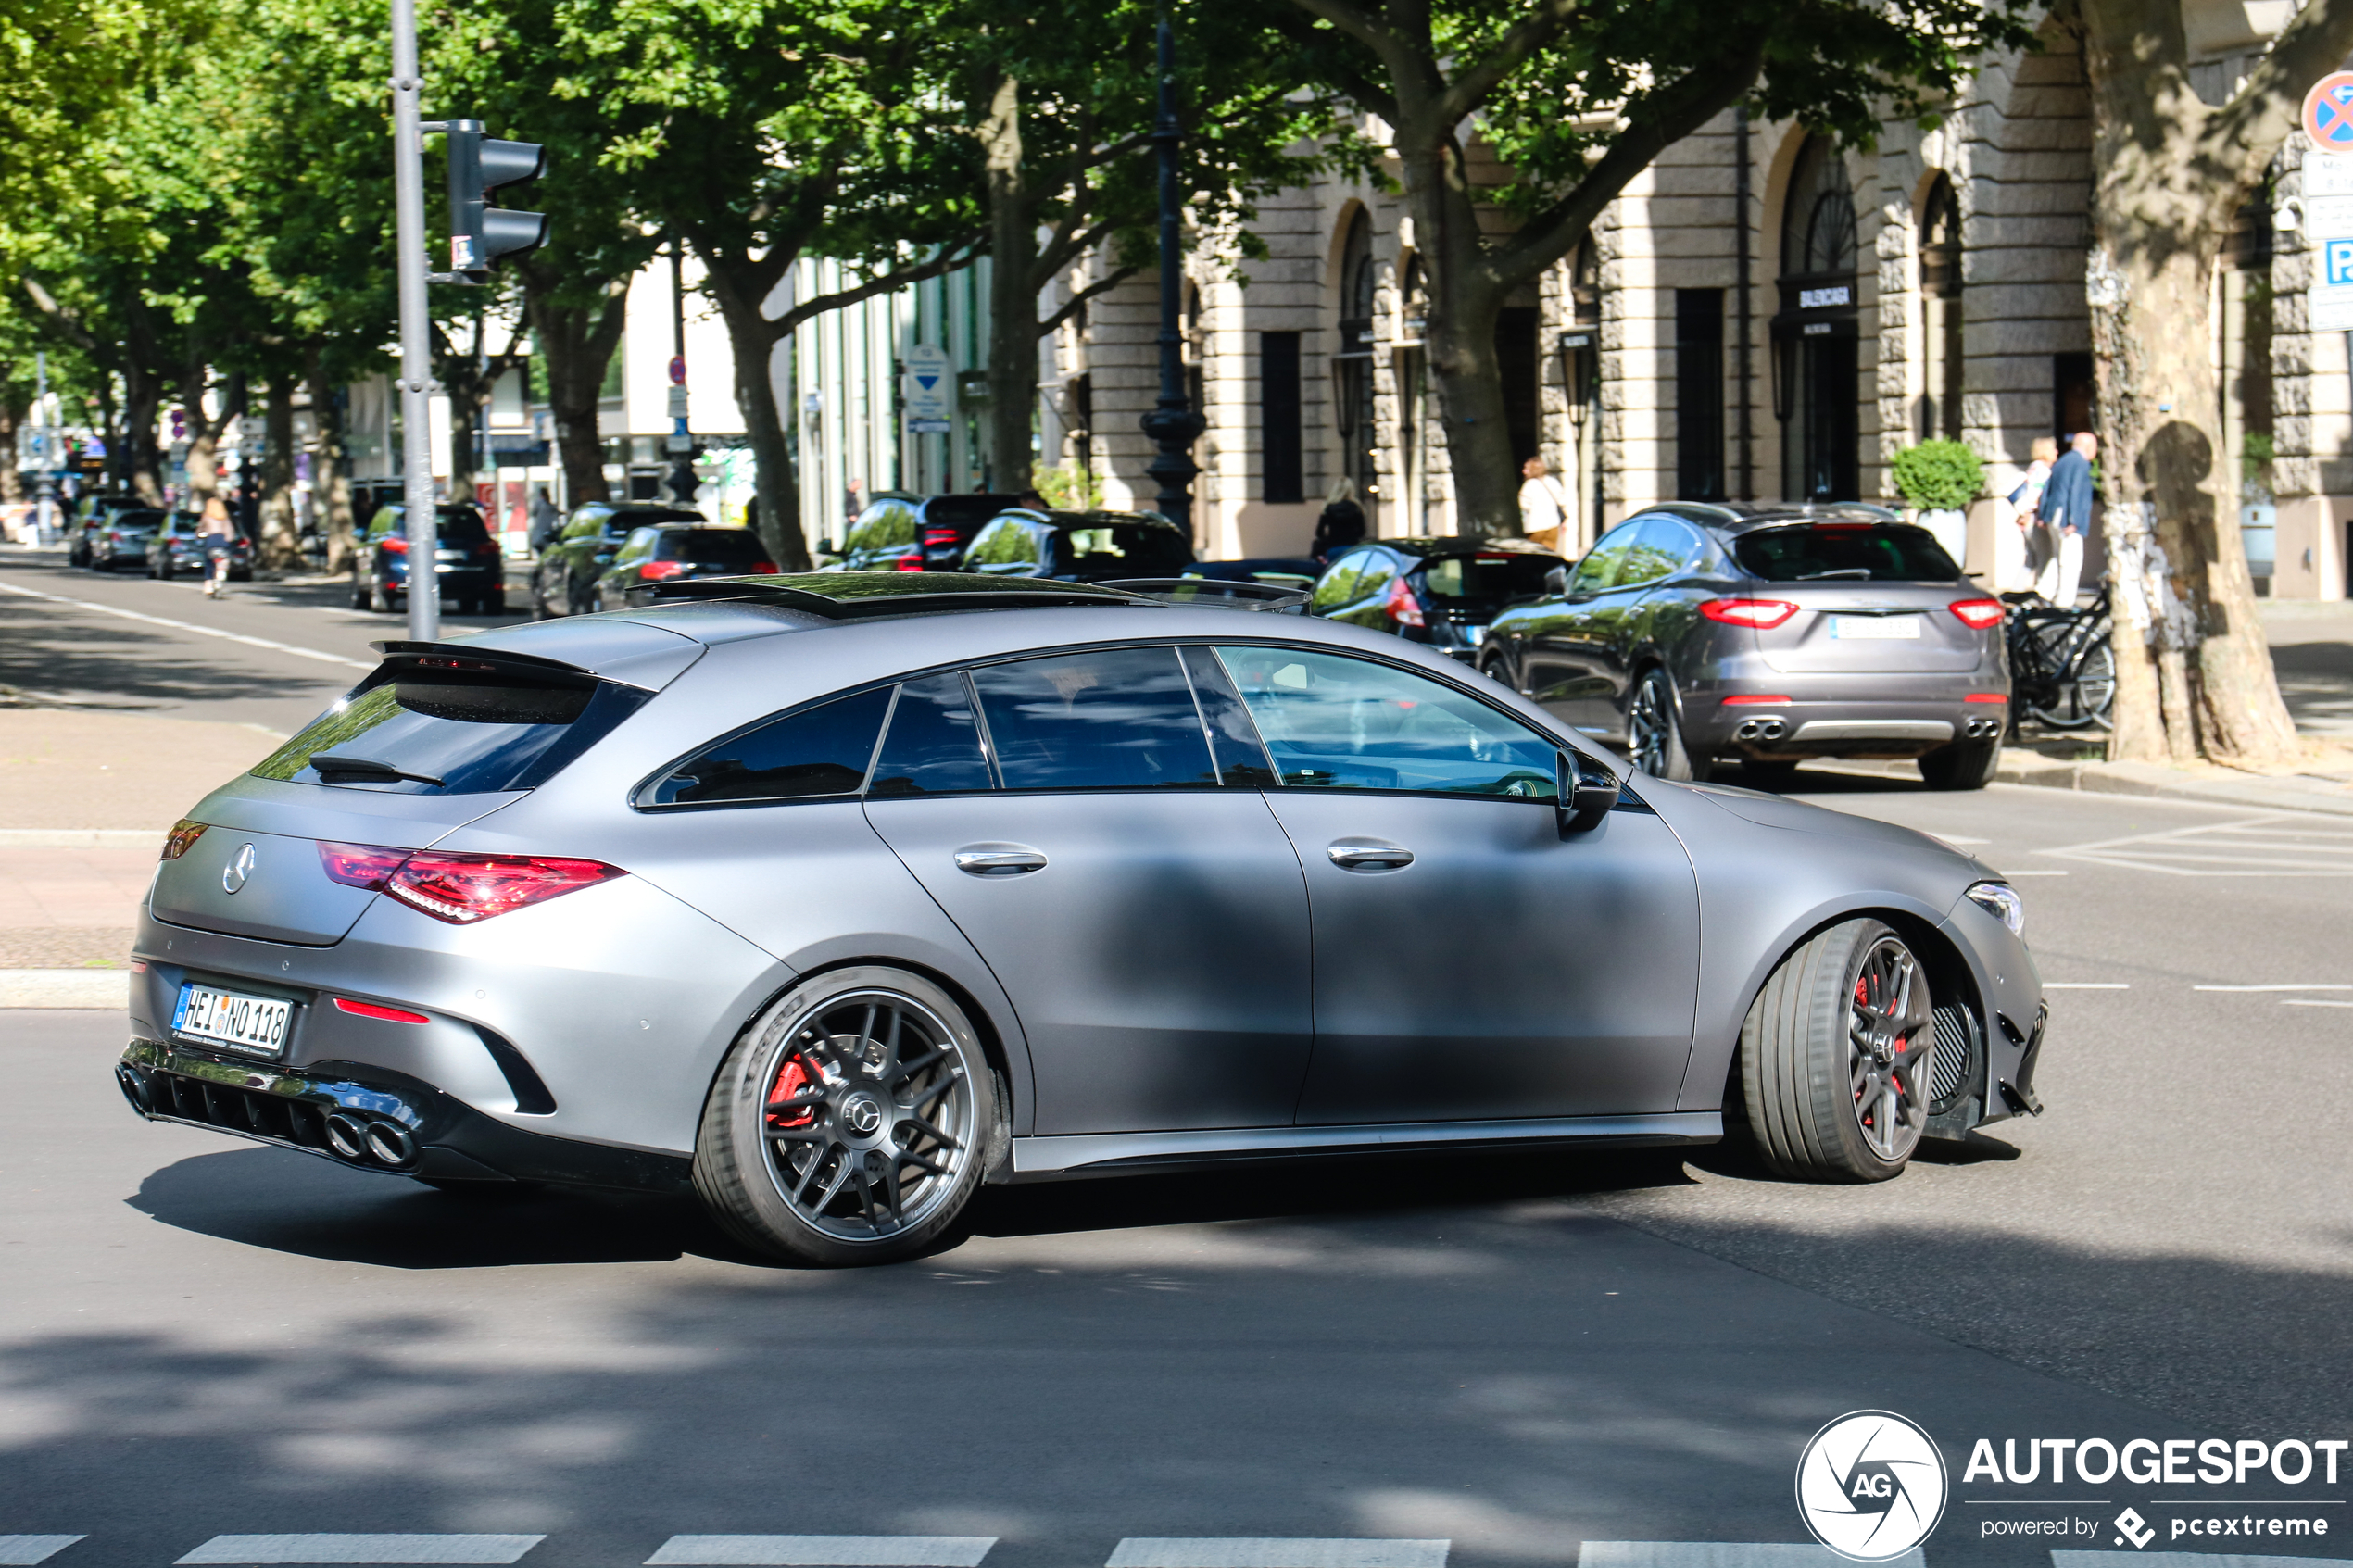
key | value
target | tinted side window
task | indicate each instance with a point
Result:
(1002, 544)
(586, 523)
(1333, 723)
(1381, 567)
(1601, 563)
(639, 546)
(934, 745)
(1116, 719)
(1337, 585)
(819, 751)
(1662, 546)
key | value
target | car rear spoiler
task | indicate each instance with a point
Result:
(1217, 592)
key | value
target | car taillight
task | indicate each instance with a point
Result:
(462, 889)
(657, 571)
(395, 543)
(1403, 608)
(909, 563)
(1985, 697)
(360, 865)
(758, 567)
(1978, 613)
(182, 839)
(942, 538)
(1762, 614)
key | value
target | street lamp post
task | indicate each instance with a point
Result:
(1174, 424)
(416, 354)
(683, 482)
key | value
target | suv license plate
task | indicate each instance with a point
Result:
(1869, 627)
(245, 1023)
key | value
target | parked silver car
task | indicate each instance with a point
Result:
(1697, 635)
(836, 899)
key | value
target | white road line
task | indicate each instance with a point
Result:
(2316, 985)
(2033, 873)
(2284, 1001)
(23, 1551)
(1720, 1554)
(822, 1552)
(476, 1550)
(1276, 1551)
(187, 626)
(2087, 984)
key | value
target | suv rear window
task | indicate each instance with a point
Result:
(715, 546)
(1833, 552)
(458, 732)
(1132, 549)
(1485, 581)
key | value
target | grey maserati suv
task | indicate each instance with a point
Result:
(831, 897)
(1698, 636)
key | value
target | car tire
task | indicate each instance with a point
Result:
(1850, 1007)
(495, 604)
(1962, 765)
(828, 1181)
(1655, 735)
(1494, 667)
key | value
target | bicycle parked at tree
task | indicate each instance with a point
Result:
(2062, 661)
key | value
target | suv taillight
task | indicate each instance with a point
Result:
(1762, 614)
(1978, 613)
(942, 538)
(658, 571)
(461, 889)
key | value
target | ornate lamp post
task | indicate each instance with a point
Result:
(1173, 424)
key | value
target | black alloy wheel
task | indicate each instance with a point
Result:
(851, 1123)
(1654, 739)
(1837, 1057)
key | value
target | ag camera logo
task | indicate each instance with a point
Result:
(1872, 1485)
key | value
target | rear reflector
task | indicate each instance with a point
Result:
(182, 839)
(1757, 702)
(1978, 613)
(1762, 614)
(461, 889)
(1985, 697)
(369, 1009)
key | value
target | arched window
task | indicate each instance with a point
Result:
(1940, 408)
(1816, 387)
(1353, 366)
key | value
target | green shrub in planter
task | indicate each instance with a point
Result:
(1939, 475)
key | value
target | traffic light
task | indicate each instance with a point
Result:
(480, 233)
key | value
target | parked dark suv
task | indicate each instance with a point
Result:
(1079, 546)
(565, 581)
(901, 532)
(1694, 635)
(668, 552)
(1442, 592)
(467, 562)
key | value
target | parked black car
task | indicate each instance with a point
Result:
(178, 547)
(1442, 592)
(467, 562)
(1696, 635)
(564, 582)
(903, 533)
(667, 552)
(91, 513)
(1079, 546)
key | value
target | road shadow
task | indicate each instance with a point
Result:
(126, 665)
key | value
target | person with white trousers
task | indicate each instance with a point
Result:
(2067, 513)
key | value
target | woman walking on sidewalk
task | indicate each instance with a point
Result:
(216, 546)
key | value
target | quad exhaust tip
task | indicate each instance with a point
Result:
(1760, 729)
(1982, 729)
(367, 1140)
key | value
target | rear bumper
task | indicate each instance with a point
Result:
(1893, 723)
(371, 1118)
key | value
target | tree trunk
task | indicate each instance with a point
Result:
(1465, 305)
(143, 407)
(330, 471)
(2193, 669)
(281, 544)
(577, 344)
(752, 338)
(1013, 298)
(12, 415)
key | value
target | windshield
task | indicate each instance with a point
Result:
(1485, 581)
(1121, 550)
(463, 734)
(138, 523)
(1824, 552)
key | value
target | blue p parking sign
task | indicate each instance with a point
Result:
(2340, 261)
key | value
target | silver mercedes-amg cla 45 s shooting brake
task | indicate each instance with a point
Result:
(832, 898)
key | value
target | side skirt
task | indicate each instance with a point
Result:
(1045, 1158)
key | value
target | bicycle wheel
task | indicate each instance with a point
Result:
(2085, 689)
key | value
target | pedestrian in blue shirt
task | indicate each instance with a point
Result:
(2067, 512)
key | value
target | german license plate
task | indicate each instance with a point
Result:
(245, 1023)
(1875, 628)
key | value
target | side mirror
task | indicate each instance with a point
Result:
(1557, 581)
(1588, 791)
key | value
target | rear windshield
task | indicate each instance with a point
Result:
(1485, 581)
(146, 522)
(1821, 552)
(965, 511)
(1125, 549)
(462, 527)
(720, 547)
(458, 734)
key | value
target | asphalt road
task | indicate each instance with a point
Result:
(1519, 1357)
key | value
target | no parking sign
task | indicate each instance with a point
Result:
(2328, 112)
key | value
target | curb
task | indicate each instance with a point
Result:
(91, 989)
(79, 839)
(2327, 797)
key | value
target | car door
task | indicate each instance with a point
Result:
(1472, 960)
(1560, 669)
(1110, 855)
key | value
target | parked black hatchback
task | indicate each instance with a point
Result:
(564, 582)
(667, 552)
(902, 533)
(1079, 546)
(1442, 592)
(466, 563)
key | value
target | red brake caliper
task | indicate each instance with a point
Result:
(1862, 999)
(792, 1079)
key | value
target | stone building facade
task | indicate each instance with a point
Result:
(1761, 316)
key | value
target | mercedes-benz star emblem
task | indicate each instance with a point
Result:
(240, 866)
(862, 1115)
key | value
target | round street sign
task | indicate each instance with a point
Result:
(2328, 112)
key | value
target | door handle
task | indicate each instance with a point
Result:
(999, 859)
(1368, 855)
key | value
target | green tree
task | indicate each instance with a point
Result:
(1577, 97)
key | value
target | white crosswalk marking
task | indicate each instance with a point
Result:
(822, 1552)
(1721, 1554)
(2282, 843)
(2189, 1559)
(23, 1551)
(477, 1549)
(1275, 1551)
